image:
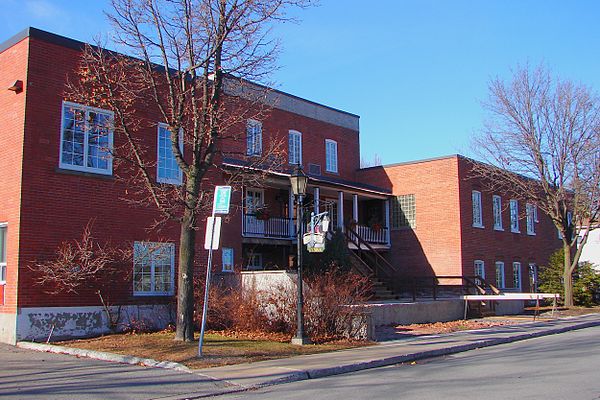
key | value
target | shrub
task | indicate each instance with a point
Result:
(586, 281)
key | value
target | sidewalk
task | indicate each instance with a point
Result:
(265, 373)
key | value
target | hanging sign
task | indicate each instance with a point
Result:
(222, 200)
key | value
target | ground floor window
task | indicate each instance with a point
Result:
(227, 258)
(153, 268)
(479, 270)
(517, 275)
(2, 254)
(255, 261)
(532, 277)
(500, 274)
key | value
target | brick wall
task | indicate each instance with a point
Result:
(13, 66)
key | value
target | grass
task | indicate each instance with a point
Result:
(218, 349)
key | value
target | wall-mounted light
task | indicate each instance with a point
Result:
(16, 87)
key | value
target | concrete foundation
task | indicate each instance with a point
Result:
(8, 328)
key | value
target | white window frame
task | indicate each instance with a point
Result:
(518, 277)
(252, 257)
(514, 216)
(533, 278)
(497, 211)
(331, 156)
(294, 152)
(479, 268)
(530, 210)
(3, 248)
(227, 259)
(501, 284)
(253, 137)
(477, 209)
(84, 167)
(174, 181)
(153, 291)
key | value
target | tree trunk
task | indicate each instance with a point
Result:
(185, 281)
(567, 276)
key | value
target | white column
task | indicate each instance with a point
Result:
(291, 212)
(316, 200)
(355, 207)
(387, 222)
(341, 210)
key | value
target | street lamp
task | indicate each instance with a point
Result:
(298, 181)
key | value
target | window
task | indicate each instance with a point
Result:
(479, 270)
(499, 274)
(531, 214)
(331, 156)
(497, 204)
(295, 147)
(403, 211)
(532, 277)
(86, 139)
(167, 169)
(227, 258)
(254, 261)
(153, 268)
(517, 275)
(477, 212)
(514, 216)
(253, 138)
(2, 253)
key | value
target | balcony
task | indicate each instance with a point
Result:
(268, 228)
(372, 234)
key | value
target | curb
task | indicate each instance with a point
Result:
(99, 355)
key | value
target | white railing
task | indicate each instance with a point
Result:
(272, 227)
(372, 235)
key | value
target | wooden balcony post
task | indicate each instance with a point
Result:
(316, 200)
(341, 210)
(388, 228)
(355, 207)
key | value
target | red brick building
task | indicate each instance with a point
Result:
(56, 178)
(444, 222)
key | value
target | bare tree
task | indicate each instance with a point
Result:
(543, 141)
(190, 62)
(374, 162)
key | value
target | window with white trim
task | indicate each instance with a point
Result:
(517, 275)
(477, 211)
(254, 261)
(497, 209)
(514, 216)
(500, 275)
(479, 270)
(2, 253)
(531, 214)
(295, 147)
(153, 268)
(253, 138)
(227, 259)
(331, 156)
(167, 169)
(86, 138)
(533, 277)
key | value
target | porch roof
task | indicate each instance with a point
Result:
(313, 179)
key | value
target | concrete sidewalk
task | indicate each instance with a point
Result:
(265, 373)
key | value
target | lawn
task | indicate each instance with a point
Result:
(218, 349)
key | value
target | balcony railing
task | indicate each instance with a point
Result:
(272, 227)
(371, 235)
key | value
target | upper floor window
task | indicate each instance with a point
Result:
(2, 254)
(403, 211)
(514, 216)
(295, 147)
(153, 268)
(497, 204)
(477, 211)
(331, 156)
(531, 211)
(86, 139)
(253, 138)
(167, 169)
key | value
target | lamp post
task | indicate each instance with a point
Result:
(298, 181)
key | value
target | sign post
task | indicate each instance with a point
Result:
(221, 203)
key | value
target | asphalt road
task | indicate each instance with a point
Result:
(563, 366)
(26, 374)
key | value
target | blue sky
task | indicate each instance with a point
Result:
(415, 71)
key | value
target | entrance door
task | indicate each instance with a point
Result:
(254, 202)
